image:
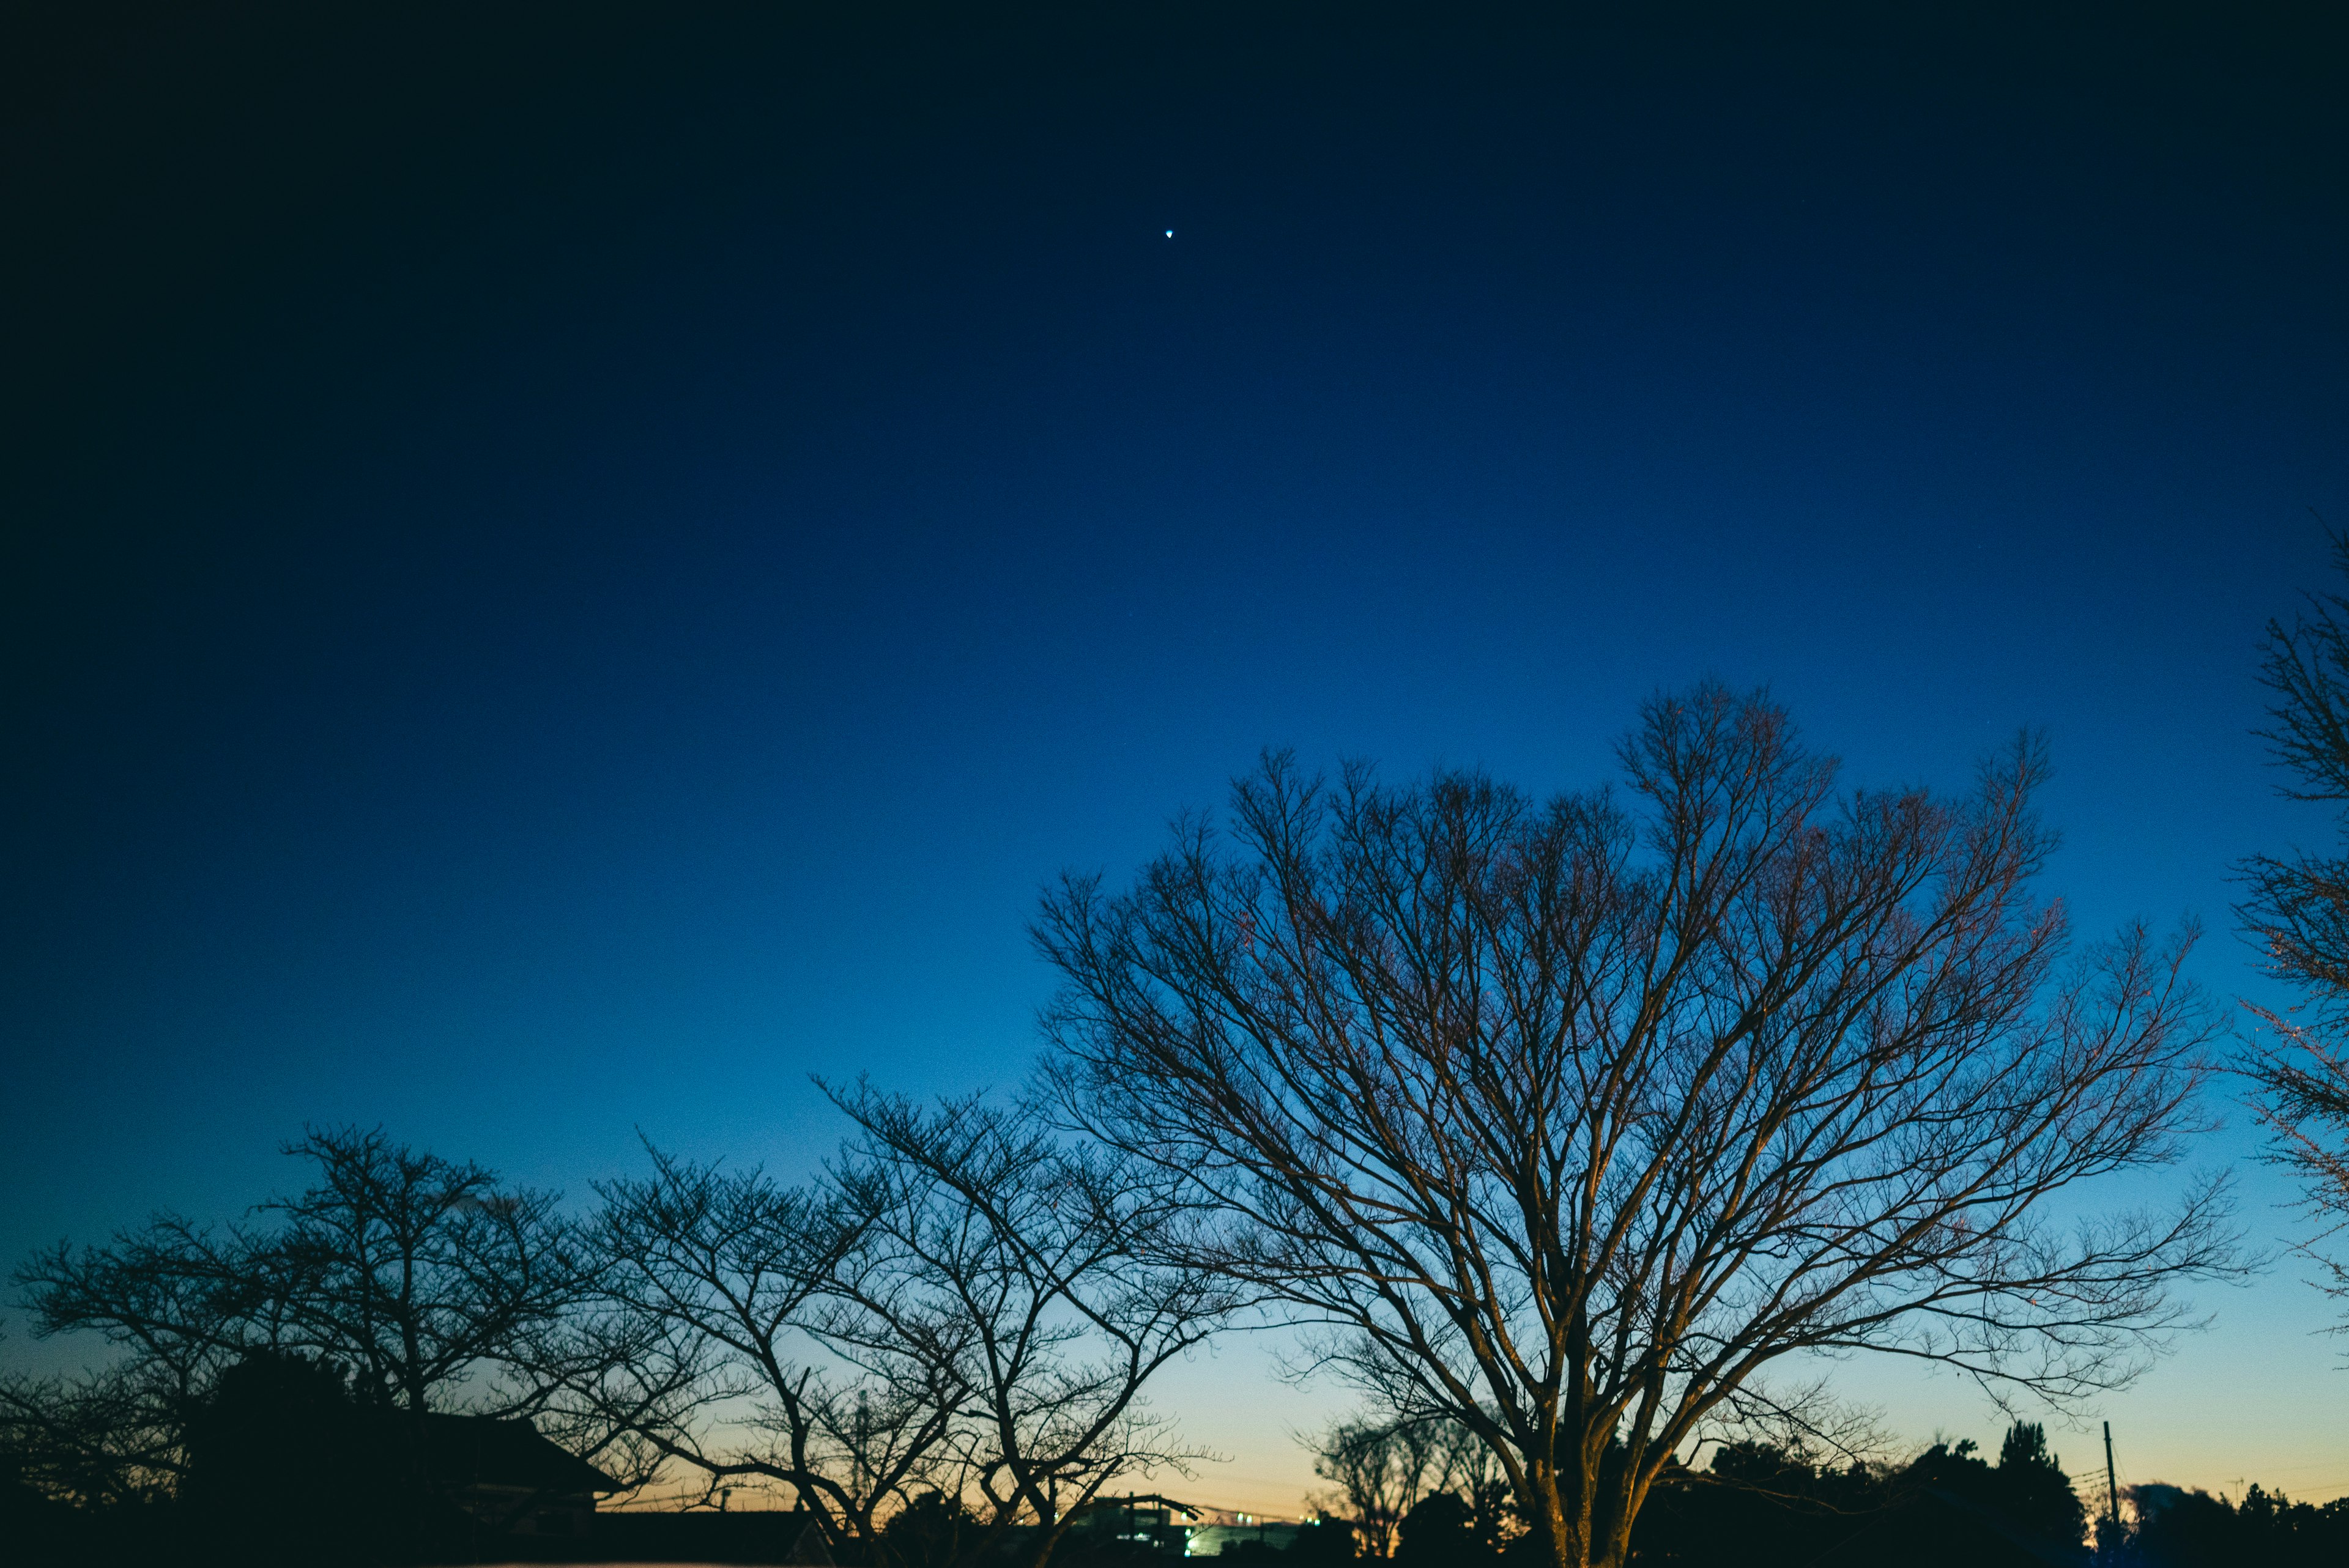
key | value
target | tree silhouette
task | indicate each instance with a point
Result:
(1571, 1122)
(2299, 913)
(1440, 1531)
(968, 1307)
(2032, 1489)
(422, 1274)
(437, 1288)
(1380, 1472)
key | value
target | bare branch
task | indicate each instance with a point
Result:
(1577, 1119)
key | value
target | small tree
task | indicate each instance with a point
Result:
(1575, 1120)
(1441, 1531)
(1046, 1272)
(110, 1438)
(2033, 1489)
(2298, 912)
(115, 1434)
(1380, 1472)
(717, 1283)
(1384, 1470)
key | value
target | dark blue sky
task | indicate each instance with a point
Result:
(562, 574)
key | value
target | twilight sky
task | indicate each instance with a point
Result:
(558, 575)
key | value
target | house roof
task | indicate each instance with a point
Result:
(488, 1450)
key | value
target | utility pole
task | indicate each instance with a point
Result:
(2112, 1488)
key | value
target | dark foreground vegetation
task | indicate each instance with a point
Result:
(284, 1468)
(1764, 1504)
(1947, 1506)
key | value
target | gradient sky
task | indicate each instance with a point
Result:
(561, 574)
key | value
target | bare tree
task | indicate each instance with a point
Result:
(1568, 1123)
(1378, 1470)
(965, 1308)
(1383, 1464)
(423, 1275)
(731, 1275)
(1043, 1269)
(2299, 912)
(169, 1300)
(607, 1379)
(110, 1437)
(433, 1283)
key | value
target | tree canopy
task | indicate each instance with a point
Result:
(1572, 1121)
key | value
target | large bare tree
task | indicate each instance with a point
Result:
(2299, 913)
(1568, 1120)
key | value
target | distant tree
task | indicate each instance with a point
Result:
(1783, 1504)
(1761, 1503)
(720, 1282)
(1493, 1517)
(2178, 1528)
(422, 1274)
(81, 1480)
(2031, 1489)
(2026, 1486)
(42, 1528)
(1380, 1471)
(113, 1435)
(1385, 1467)
(438, 1287)
(109, 1439)
(1046, 1270)
(1575, 1120)
(1440, 1531)
(969, 1308)
(1322, 1543)
(2184, 1528)
(2295, 1534)
(2298, 912)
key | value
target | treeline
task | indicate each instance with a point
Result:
(1765, 1506)
(1421, 1496)
(2174, 1527)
